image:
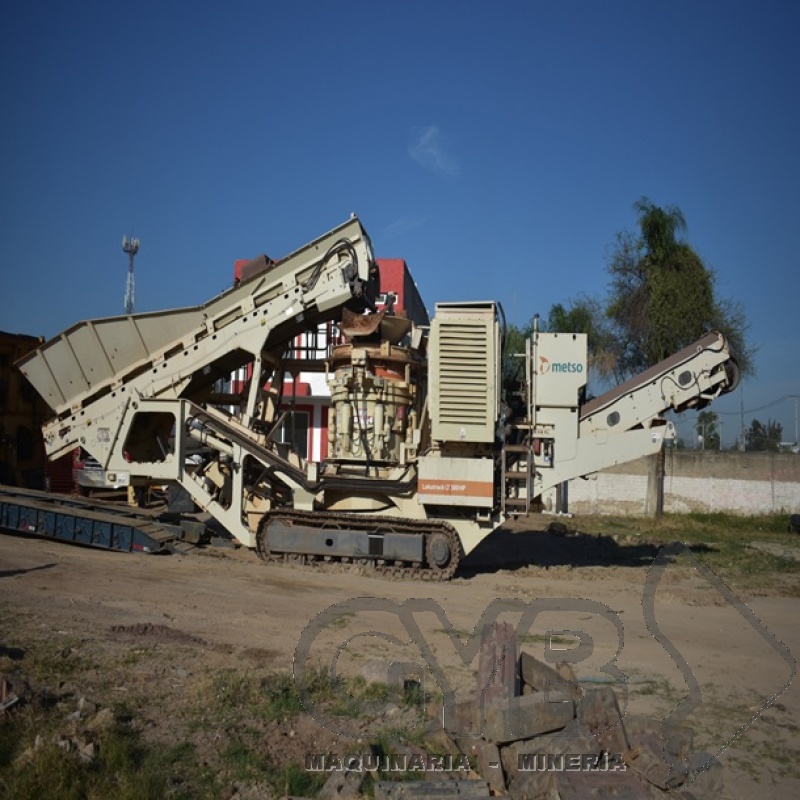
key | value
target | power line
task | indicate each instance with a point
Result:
(755, 410)
(682, 423)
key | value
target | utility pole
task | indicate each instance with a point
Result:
(131, 247)
(743, 435)
(795, 397)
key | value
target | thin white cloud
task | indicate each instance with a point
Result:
(429, 150)
(403, 225)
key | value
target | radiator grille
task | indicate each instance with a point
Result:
(464, 386)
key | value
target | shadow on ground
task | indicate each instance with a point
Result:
(550, 544)
(14, 653)
(10, 573)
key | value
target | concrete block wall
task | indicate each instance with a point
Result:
(741, 483)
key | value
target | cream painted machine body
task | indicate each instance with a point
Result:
(421, 428)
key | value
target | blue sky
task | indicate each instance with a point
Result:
(497, 147)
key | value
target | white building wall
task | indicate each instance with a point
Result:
(740, 483)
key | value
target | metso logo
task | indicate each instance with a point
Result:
(558, 366)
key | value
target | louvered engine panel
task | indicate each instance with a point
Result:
(464, 361)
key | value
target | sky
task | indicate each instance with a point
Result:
(497, 147)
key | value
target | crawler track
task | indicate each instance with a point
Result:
(441, 546)
(111, 526)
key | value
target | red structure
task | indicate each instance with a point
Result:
(22, 413)
(398, 285)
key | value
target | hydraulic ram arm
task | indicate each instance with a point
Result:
(94, 369)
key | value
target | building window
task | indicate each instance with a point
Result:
(293, 431)
(386, 299)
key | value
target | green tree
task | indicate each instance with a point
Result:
(663, 296)
(762, 437)
(706, 429)
(513, 345)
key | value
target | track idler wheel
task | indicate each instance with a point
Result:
(442, 553)
(262, 548)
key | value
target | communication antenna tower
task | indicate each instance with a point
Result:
(131, 247)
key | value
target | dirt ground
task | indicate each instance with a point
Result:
(163, 620)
